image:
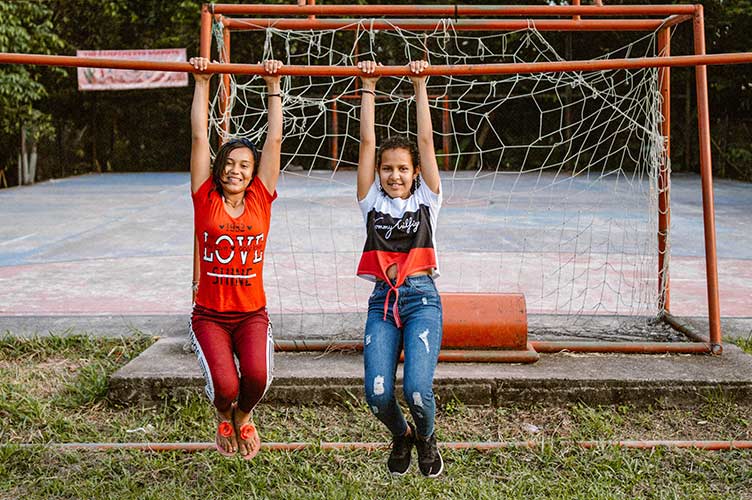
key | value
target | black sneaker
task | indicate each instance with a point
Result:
(429, 459)
(402, 447)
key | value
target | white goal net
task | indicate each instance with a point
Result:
(549, 179)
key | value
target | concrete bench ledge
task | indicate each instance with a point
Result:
(168, 368)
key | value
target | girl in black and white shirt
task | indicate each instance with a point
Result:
(399, 193)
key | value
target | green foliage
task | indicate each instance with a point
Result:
(124, 130)
(744, 343)
(70, 343)
(728, 25)
(26, 27)
(596, 423)
(453, 407)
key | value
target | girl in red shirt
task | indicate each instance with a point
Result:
(232, 199)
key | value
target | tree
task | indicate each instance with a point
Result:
(121, 130)
(147, 129)
(26, 27)
(728, 24)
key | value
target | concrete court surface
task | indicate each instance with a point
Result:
(115, 249)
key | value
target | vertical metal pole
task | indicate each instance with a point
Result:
(205, 40)
(706, 172)
(224, 101)
(196, 268)
(308, 2)
(664, 186)
(204, 51)
(335, 127)
(576, 3)
(445, 131)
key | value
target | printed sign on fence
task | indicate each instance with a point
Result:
(121, 79)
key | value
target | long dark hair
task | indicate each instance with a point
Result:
(221, 159)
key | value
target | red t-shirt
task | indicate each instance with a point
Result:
(231, 250)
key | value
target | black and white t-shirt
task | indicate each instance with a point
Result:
(401, 232)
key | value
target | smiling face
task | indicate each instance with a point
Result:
(237, 172)
(397, 172)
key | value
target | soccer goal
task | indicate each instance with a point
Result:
(555, 157)
(553, 139)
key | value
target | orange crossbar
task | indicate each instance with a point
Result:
(452, 10)
(239, 24)
(455, 70)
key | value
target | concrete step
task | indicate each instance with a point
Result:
(169, 368)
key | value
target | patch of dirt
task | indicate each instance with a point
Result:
(42, 378)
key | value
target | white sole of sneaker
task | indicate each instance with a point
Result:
(398, 474)
(441, 469)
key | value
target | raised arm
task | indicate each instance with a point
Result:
(200, 157)
(367, 153)
(268, 167)
(429, 168)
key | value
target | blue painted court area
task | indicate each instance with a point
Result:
(122, 243)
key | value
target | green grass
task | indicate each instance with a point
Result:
(54, 390)
(548, 472)
(744, 343)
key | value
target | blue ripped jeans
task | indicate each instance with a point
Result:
(420, 312)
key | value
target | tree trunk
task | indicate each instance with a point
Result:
(23, 160)
(27, 160)
(33, 163)
(94, 159)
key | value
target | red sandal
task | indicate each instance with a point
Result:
(248, 432)
(225, 430)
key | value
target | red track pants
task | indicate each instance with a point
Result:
(235, 351)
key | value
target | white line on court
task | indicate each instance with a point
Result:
(20, 238)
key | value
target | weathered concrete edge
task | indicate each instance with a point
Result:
(169, 369)
(485, 393)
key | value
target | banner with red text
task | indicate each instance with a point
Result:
(122, 79)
